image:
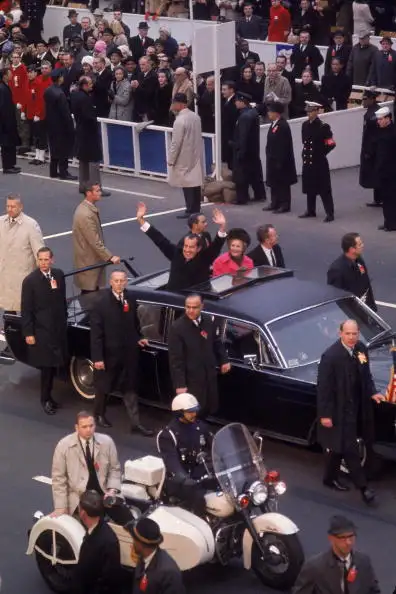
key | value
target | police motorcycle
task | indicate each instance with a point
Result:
(240, 520)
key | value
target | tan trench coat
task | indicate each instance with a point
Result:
(185, 159)
(89, 247)
(19, 244)
(70, 473)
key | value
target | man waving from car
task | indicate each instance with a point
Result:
(190, 264)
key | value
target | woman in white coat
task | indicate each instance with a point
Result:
(362, 18)
(120, 94)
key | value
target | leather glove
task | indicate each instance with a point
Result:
(23, 116)
(36, 119)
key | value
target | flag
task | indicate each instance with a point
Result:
(390, 395)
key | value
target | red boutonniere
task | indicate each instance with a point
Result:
(143, 583)
(204, 334)
(352, 573)
(390, 59)
(333, 53)
(96, 466)
(362, 269)
(274, 129)
(125, 307)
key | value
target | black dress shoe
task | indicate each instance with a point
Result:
(307, 215)
(368, 495)
(12, 170)
(48, 408)
(328, 219)
(269, 207)
(101, 421)
(337, 486)
(54, 404)
(374, 204)
(281, 210)
(68, 176)
(142, 430)
(185, 215)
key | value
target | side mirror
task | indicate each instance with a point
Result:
(251, 360)
(259, 441)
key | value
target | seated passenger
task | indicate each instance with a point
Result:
(234, 260)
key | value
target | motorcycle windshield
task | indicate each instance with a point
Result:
(237, 462)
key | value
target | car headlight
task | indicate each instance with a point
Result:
(258, 493)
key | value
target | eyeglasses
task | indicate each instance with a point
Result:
(344, 536)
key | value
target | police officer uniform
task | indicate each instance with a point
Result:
(180, 444)
(317, 139)
(367, 153)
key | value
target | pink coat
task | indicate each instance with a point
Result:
(225, 265)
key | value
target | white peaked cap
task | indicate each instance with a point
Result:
(382, 112)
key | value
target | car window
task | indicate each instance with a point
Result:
(243, 339)
(152, 319)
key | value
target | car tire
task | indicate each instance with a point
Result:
(58, 577)
(285, 557)
(81, 376)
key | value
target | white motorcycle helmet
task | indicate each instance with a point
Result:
(185, 403)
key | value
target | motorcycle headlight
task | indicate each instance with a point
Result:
(258, 493)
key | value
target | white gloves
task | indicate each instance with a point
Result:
(36, 119)
(23, 116)
(18, 106)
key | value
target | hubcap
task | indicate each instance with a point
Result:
(275, 557)
(82, 377)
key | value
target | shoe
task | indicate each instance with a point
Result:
(54, 175)
(142, 430)
(185, 215)
(68, 176)
(281, 210)
(374, 204)
(263, 199)
(54, 404)
(101, 421)
(383, 228)
(270, 207)
(106, 193)
(336, 485)
(23, 150)
(48, 408)
(307, 215)
(328, 219)
(368, 495)
(12, 170)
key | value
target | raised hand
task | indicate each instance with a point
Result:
(141, 212)
(219, 218)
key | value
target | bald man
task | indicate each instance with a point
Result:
(345, 394)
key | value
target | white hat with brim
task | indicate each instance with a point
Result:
(383, 112)
(312, 106)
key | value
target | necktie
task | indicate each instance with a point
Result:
(273, 258)
(88, 454)
(12, 221)
(337, 48)
(344, 576)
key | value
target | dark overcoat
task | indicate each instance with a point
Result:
(194, 353)
(229, 118)
(246, 155)
(260, 259)
(44, 316)
(334, 390)
(100, 93)
(59, 123)
(311, 57)
(281, 166)
(98, 570)
(88, 143)
(351, 275)
(146, 95)
(321, 575)
(385, 151)
(162, 576)
(8, 125)
(367, 153)
(114, 339)
(317, 139)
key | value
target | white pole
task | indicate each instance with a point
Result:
(217, 92)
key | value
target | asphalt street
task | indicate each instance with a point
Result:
(28, 436)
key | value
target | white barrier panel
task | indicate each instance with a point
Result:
(347, 127)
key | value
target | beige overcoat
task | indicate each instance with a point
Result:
(19, 244)
(88, 246)
(70, 473)
(185, 159)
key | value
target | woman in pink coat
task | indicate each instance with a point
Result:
(234, 260)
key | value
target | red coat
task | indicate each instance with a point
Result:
(36, 105)
(19, 85)
(225, 265)
(279, 23)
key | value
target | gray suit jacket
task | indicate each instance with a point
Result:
(322, 575)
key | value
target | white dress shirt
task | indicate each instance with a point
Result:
(270, 256)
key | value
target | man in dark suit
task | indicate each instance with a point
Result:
(250, 26)
(336, 86)
(268, 251)
(145, 91)
(115, 342)
(339, 569)
(195, 350)
(281, 166)
(243, 54)
(197, 225)
(100, 93)
(246, 168)
(139, 43)
(337, 49)
(229, 118)
(9, 138)
(367, 153)
(345, 394)
(98, 570)
(384, 177)
(156, 572)
(306, 54)
(44, 323)
(71, 73)
(190, 264)
(349, 271)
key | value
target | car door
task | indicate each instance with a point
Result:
(15, 339)
(153, 377)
